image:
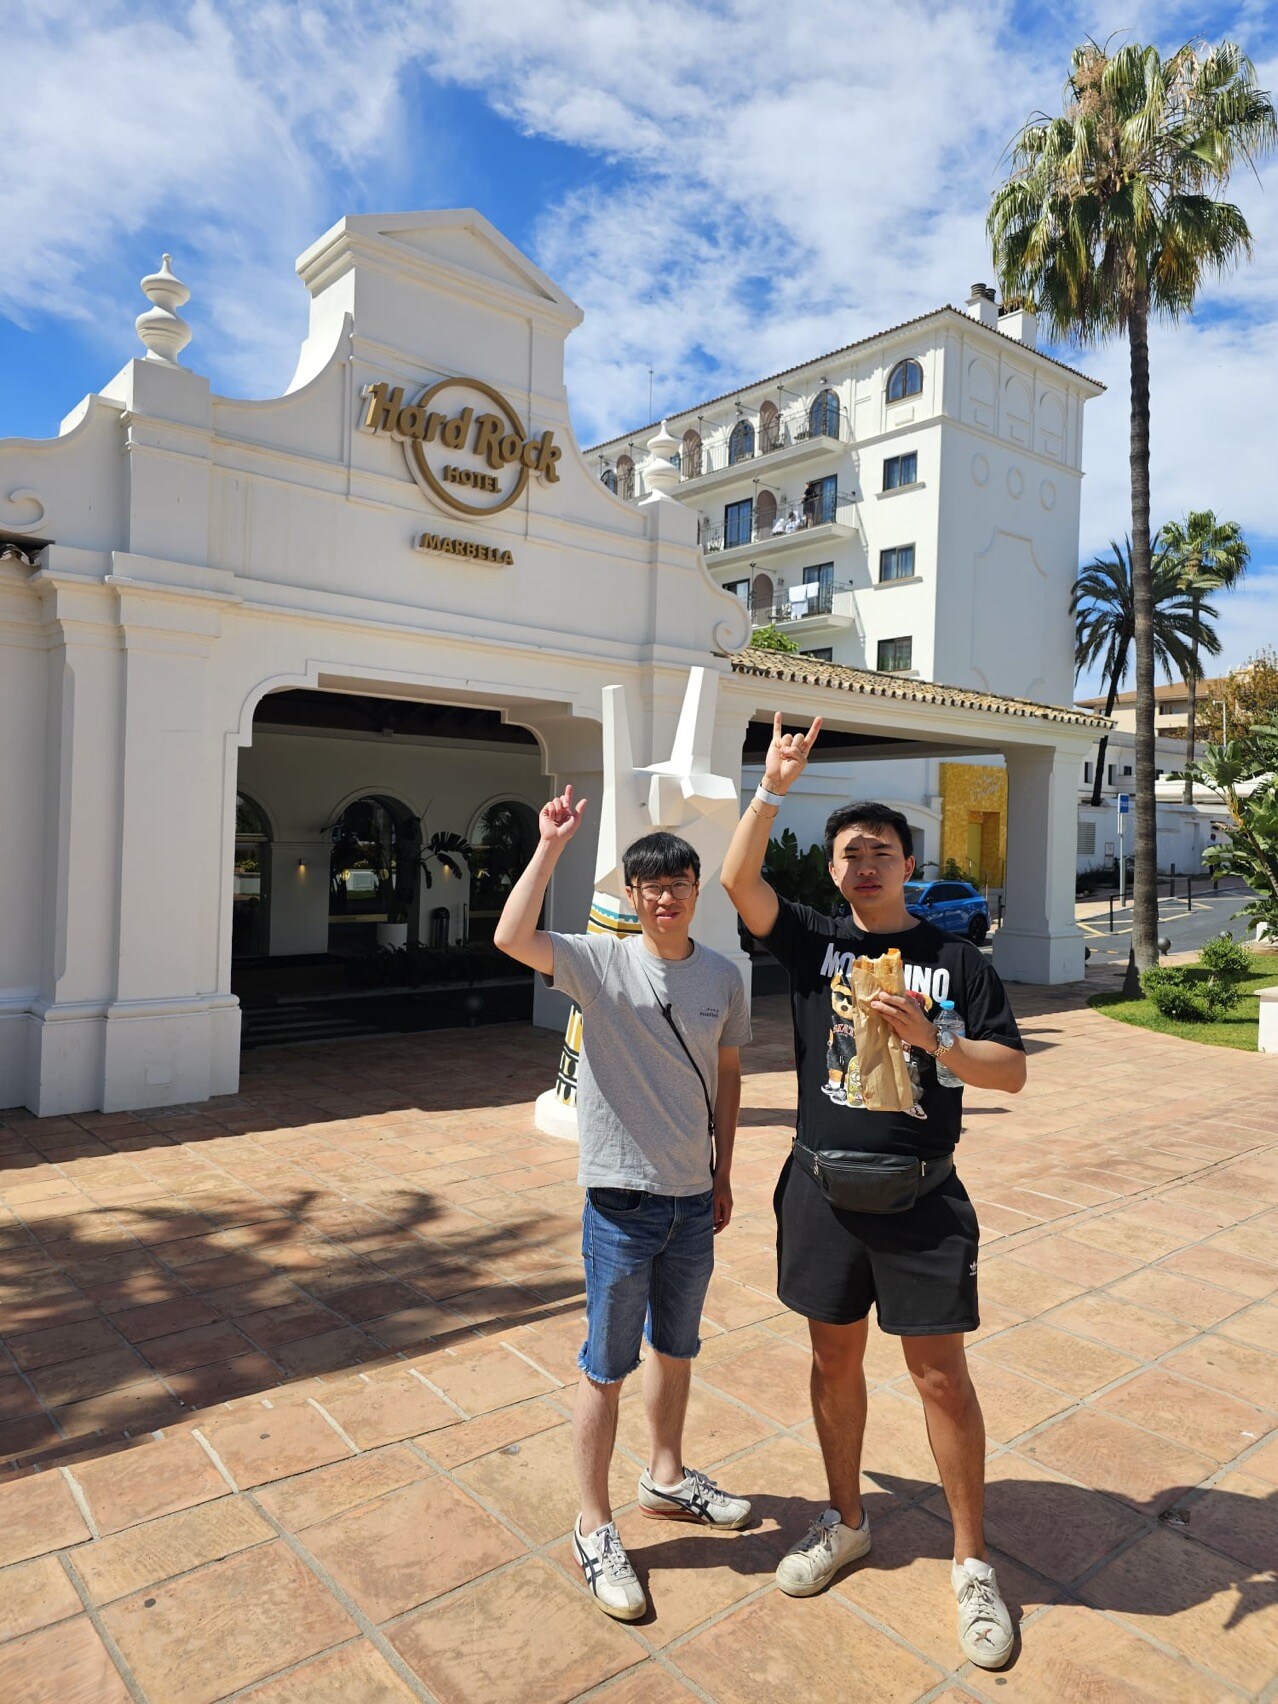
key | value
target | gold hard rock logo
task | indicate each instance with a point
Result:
(495, 455)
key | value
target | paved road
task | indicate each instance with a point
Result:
(1186, 929)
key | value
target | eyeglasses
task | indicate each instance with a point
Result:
(680, 888)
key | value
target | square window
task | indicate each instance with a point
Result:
(895, 654)
(896, 564)
(824, 655)
(900, 470)
(739, 589)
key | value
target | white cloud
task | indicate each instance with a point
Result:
(759, 184)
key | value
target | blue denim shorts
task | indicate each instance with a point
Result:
(648, 1264)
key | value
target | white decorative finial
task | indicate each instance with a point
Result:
(659, 471)
(165, 333)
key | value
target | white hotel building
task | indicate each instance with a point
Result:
(241, 639)
(907, 504)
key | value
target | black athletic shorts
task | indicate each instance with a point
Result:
(917, 1267)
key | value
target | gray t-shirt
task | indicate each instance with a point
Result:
(641, 1115)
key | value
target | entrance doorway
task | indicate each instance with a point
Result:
(372, 866)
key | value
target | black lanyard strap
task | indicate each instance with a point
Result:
(667, 1012)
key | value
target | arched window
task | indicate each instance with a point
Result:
(609, 478)
(823, 416)
(769, 428)
(905, 379)
(765, 514)
(690, 456)
(503, 840)
(626, 478)
(373, 868)
(250, 896)
(741, 443)
(761, 597)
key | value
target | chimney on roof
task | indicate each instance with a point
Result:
(982, 306)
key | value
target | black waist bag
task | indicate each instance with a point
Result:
(872, 1183)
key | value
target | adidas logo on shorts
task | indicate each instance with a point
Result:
(971, 1271)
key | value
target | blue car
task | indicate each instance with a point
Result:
(956, 907)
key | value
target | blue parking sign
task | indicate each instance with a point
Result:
(1124, 804)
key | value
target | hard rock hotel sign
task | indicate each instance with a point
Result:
(464, 444)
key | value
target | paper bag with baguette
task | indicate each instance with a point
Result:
(880, 1052)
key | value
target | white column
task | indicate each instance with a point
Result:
(1039, 940)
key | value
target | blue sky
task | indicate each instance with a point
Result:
(726, 187)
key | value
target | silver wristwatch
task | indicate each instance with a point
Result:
(945, 1039)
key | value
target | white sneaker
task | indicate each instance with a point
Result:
(984, 1624)
(602, 1559)
(694, 1498)
(825, 1547)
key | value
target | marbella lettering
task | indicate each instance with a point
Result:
(465, 547)
(489, 430)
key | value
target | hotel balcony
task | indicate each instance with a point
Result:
(805, 526)
(808, 609)
(776, 445)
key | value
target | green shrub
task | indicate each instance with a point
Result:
(1227, 958)
(1175, 995)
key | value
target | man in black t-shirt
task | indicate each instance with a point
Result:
(917, 1266)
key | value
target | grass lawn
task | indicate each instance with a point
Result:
(1237, 1030)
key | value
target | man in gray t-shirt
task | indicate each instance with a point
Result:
(658, 1093)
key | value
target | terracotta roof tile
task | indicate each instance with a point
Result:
(810, 671)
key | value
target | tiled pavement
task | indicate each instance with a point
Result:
(285, 1382)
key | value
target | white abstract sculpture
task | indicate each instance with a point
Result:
(682, 795)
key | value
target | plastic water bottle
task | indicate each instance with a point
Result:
(949, 1023)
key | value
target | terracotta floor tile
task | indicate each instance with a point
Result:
(772, 1379)
(1065, 1257)
(1200, 1604)
(482, 1378)
(1239, 1516)
(730, 1304)
(159, 1319)
(773, 1648)
(1256, 1326)
(533, 1485)
(37, 1515)
(1218, 1266)
(195, 1639)
(196, 1346)
(1235, 1368)
(466, 1440)
(410, 1546)
(1188, 1299)
(648, 1684)
(155, 1477)
(138, 1408)
(1071, 1653)
(139, 1556)
(89, 1375)
(327, 1491)
(1204, 1420)
(200, 1387)
(67, 1663)
(715, 1427)
(1057, 1358)
(273, 1443)
(421, 1323)
(1123, 1235)
(1058, 1530)
(329, 1351)
(1123, 1325)
(1011, 1403)
(384, 1409)
(1128, 1462)
(896, 1454)
(33, 1594)
(543, 1643)
(357, 1674)
(1021, 1289)
(17, 1399)
(905, 1583)
(61, 1343)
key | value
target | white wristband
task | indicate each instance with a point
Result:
(765, 797)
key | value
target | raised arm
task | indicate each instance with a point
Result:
(517, 933)
(754, 898)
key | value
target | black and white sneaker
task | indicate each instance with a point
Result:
(602, 1559)
(694, 1498)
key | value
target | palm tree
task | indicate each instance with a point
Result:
(1210, 556)
(1103, 605)
(1109, 217)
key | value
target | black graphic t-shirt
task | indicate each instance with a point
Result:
(818, 952)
